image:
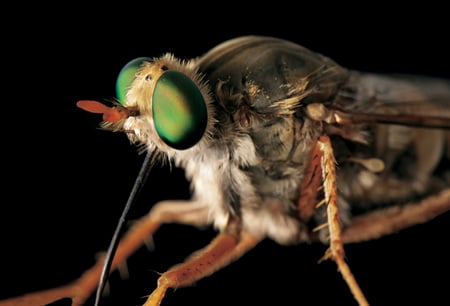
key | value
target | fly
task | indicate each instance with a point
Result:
(278, 142)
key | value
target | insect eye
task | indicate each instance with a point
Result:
(179, 110)
(126, 77)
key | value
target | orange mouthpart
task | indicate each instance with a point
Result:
(110, 114)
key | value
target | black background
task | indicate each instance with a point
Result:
(65, 182)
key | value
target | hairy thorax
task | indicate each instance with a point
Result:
(256, 177)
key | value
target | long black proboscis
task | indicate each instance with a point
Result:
(139, 183)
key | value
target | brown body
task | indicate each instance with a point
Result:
(265, 89)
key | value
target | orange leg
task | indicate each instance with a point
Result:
(336, 249)
(393, 219)
(81, 289)
(311, 183)
(224, 249)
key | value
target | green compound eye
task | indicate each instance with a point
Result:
(126, 77)
(179, 110)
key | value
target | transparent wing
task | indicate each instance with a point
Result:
(396, 99)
